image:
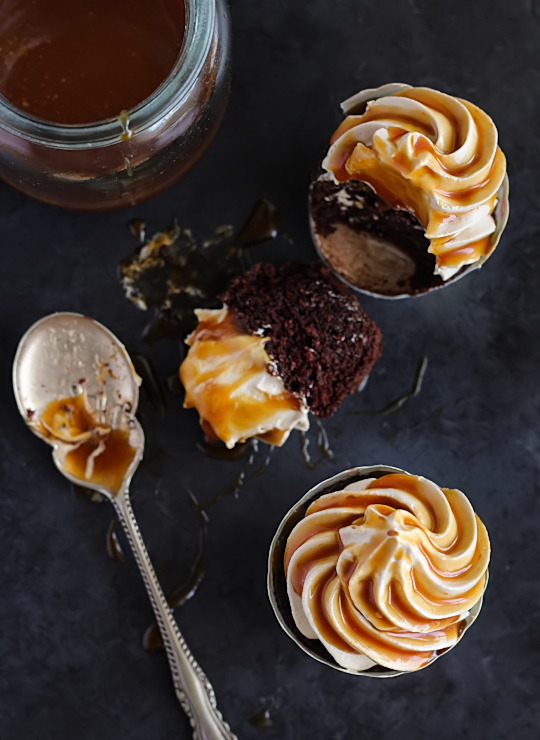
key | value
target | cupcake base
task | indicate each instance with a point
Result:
(377, 249)
(372, 246)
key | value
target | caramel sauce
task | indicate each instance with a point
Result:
(151, 382)
(73, 62)
(410, 660)
(469, 252)
(409, 124)
(397, 601)
(464, 601)
(410, 190)
(407, 483)
(375, 632)
(389, 185)
(174, 273)
(348, 570)
(305, 564)
(217, 347)
(358, 501)
(294, 542)
(467, 195)
(407, 658)
(114, 548)
(110, 466)
(447, 551)
(152, 640)
(69, 419)
(317, 596)
(138, 228)
(304, 451)
(424, 96)
(98, 454)
(401, 481)
(261, 719)
(422, 144)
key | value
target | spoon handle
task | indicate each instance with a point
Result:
(193, 689)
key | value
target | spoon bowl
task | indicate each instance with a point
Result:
(66, 355)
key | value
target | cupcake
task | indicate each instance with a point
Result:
(377, 571)
(288, 340)
(412, 193)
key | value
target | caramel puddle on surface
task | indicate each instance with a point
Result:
(173, 273)
(261, 719)
(152, 641)
(151, 383)
(138, 228)
(114, 548)
(393, 406)
(323, 444)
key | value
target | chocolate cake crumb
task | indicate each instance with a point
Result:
(355, 205)
(320, 340)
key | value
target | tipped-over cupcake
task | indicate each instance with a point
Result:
(288, 340)
(386, 571)
(413, 191)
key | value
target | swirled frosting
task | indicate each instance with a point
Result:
(226, 378)
(431, 154)
(385, 571)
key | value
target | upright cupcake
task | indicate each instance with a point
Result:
(378, 570)
(413, 191)
(288, 340)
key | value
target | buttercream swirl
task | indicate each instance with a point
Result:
(385, 571)
(429, 153)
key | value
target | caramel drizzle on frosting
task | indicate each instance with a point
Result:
(433, 155)
(227, 380)
(388, 568)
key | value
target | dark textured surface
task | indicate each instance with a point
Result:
(72, 619)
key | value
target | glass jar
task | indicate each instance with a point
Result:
(119, 162)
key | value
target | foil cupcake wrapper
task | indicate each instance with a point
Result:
(277, 582)
(356, 105)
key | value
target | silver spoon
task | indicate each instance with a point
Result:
(68, 355)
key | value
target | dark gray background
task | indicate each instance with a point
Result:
(71, 619)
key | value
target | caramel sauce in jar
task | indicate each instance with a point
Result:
(81, 62)
(106, 103)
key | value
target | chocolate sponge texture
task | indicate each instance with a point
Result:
(320, 341)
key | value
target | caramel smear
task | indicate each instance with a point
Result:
(226, 378)
(94, 452)
(387, 570)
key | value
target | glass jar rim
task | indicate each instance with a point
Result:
(200, 20)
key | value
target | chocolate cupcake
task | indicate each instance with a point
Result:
(289, 340)
(378, 572)
(412, 193)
